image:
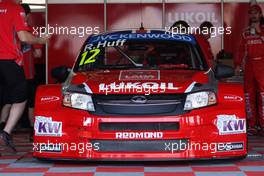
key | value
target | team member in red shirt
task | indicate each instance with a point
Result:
(251, 57)
(205, 34)
(30, 52)
(13, 27)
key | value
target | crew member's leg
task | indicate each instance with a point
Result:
(6, 107)
(17, 90)
(4, 115)
(32, 86)
(259, 75)
(250, 96)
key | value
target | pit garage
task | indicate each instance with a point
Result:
(143, 87)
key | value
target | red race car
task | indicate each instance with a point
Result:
(141, 96)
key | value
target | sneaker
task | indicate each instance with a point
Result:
(2, 125)
(252, 131)
(5, 139)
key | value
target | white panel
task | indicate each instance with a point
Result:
(34, 1)
(35, 7)
(74, 1)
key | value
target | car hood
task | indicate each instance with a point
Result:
(139, 81)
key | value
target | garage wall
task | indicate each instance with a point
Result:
(194, 14)
(127, 16)
(63, 49)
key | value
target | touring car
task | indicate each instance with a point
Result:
(134, 95)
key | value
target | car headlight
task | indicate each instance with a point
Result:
(78, 101)
(199, 100)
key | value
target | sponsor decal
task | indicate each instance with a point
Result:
(103, 44)
(140, 99)
(54, 148)
(127, 75)
(230, 146)
(119, 42)
(136, 85)
(141, 36)
(193, 17)
(254, 42)
(44, 126)
(47, 99)
(139, 135)
(230, 124)
(233, 98)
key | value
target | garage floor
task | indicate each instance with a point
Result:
(23, 164)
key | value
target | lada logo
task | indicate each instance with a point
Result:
(139, 99)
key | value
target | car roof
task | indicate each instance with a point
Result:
(142, 35)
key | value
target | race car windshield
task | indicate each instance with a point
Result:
(155, 54)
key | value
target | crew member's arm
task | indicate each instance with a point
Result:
(27, 37)
(23, 30)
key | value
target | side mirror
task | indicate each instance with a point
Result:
(60, 74)
(224, 71)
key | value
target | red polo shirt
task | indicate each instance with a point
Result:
(12, 20)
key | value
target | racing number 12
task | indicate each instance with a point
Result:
(91, 59)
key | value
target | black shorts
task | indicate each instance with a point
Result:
(5, 95)
(32, 87)
(14, 82)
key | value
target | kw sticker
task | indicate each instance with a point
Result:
(230, 124)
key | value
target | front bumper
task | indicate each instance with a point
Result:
(81, 137)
